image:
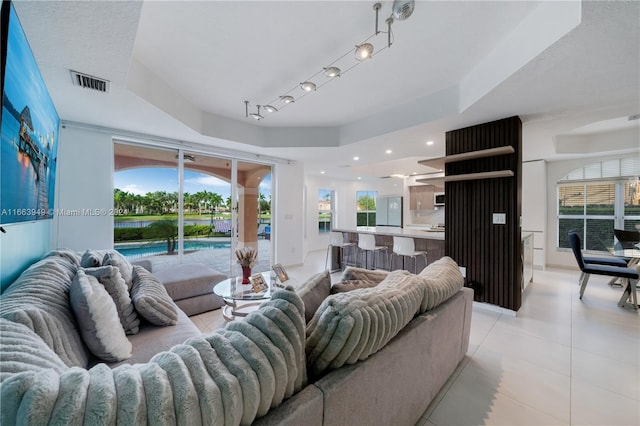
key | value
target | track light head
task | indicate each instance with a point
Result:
(364, 51)
(308, 86)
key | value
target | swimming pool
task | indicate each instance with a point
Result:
(160, 247)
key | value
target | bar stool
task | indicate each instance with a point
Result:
(405, 246)
(366, 244)
(336, 239)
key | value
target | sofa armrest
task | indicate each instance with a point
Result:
(145, 263)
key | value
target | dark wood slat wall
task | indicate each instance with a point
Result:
(490, 252)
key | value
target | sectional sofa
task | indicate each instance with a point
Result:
(377, 354)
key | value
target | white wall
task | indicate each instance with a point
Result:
(534, 207)
(289, 214)
(85, 182)
(345, 199)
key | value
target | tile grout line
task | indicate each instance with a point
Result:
(571, 294)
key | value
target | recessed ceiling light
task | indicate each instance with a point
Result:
(388, 151)
(359, 178)
(429, 142)
(356, 158)
(321, 172)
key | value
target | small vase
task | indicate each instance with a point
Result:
(246, 273)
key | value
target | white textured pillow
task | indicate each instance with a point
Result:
(92, 258)
(109, 276)
(151, 299)
(114, 258)
(97, 319)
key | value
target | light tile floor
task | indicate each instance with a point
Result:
(561, 360)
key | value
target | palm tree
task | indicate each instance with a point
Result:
(166, 229)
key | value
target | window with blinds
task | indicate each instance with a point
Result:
(598, 198)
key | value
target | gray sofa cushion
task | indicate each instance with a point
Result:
(98, 319)
(151, 300)
(153, 339)
(109, 276)
(189, 280)
(313, 292)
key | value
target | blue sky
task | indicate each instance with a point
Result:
(142, 180)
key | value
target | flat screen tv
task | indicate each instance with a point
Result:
(28, 129)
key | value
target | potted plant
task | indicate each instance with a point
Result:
(247, 257)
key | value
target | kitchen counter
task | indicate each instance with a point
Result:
(432, 233)
(426, 239)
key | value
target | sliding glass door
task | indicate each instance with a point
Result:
(197, 210)
(252, 211)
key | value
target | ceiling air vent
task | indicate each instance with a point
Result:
(89, 82)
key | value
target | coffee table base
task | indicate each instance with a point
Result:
(232, 310)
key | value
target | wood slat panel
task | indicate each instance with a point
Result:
(490, 252)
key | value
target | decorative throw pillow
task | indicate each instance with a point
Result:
(355, 273)
(151, 299)
(109, 276)
(97, 318)
(114, 258)
(349, 285)
(313, 292)
(92, 258)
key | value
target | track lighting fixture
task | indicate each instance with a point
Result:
(255, 115)
(364, 50)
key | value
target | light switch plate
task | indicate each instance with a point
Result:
(499, 218)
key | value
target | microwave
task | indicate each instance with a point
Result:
(438, 198)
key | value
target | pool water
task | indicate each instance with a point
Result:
(160, 247)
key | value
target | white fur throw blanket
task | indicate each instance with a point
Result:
(39, 299)
(352, 326)
(227, 378)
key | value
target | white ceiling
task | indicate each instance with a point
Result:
(182, 69)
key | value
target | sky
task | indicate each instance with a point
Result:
(142, 180)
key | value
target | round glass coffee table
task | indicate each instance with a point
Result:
(240, 299)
